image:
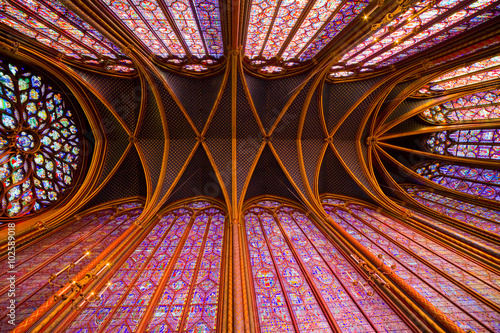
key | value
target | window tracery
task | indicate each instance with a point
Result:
(483, 218)
(443, 276)
(313, 26)
(472, 143)
(301, 279)
(186, 246)
(35, 263)
(52, 24)
(479, 182)
(481, 71)
(155, 23)
(478, 107)
(40, 143)
(424, 25)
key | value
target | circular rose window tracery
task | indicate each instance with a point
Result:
(39, 143)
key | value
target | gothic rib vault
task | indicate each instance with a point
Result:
(227, 131)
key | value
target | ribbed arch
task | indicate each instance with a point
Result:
(93, 231)
(172, 279)
(302, 281)
(458, 286)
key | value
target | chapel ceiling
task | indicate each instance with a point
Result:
(238, 99)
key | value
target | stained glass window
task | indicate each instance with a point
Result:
(40, 143)
(57, 27)
(454, 284)
(271, 23)
(481, 143)
(198, 23)
(472, 214)
(478, 107)
(419, 28)
(35, 263)
(474, 181)
(481, 71)
(180, 259)
(296, 269)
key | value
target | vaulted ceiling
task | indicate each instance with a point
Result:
(234, 130)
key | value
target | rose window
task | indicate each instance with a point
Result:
(40, 145)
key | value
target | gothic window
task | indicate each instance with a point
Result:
(478, 107)
(52, 24)
(272, 22)
(35, 263)
(471, 143)
(472, 214)
(198, 23)
(481, 71)
(40, 142)
(454, 284)
(180, 261)
(474, 181)
(422, 26)
(303, 282)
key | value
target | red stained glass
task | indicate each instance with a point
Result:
(34, 264)
(478, 107)
(52, 24)
(187, 245)
(285, 247)
(438, 274)
(418, 29)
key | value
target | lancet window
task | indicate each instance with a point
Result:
(171, 282)
(82, 238)
(55, 26)
(479, 107)
(479, 182)
(422, 26)
(454, 284)
(473, 214)
(303, 282)
(470, 143)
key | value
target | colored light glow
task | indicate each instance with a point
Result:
(198, 23)
(478, 107)
(424, 262)
(474, 181)
(481, 71)
(57, 27)
(281, 284)
(190, 239)
(94, 232)
(49, 137)
(471, 214)
(416, 31)
(481, 144)
(270, 27)
(148, 23)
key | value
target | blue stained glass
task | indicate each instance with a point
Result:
(30, 132)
